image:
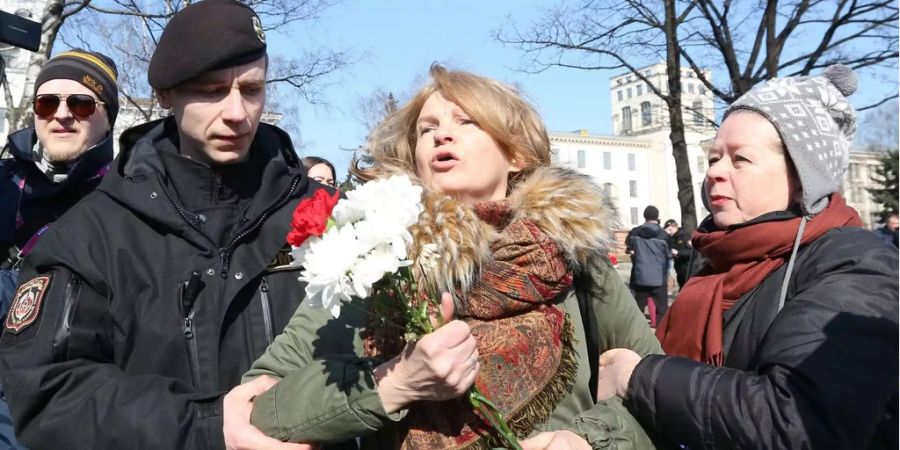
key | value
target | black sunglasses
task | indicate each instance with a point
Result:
(81, 105)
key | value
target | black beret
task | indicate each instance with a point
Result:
(207, 35)
(94, 70)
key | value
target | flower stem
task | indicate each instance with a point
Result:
(478, 400)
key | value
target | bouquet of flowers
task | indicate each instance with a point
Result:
(358, 247)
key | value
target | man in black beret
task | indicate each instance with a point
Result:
(147, 302)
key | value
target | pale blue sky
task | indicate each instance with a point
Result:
(400, 39)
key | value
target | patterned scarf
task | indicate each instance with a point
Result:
(739, 260)
(525, 344)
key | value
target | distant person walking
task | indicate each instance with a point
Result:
(680, 243)
(648, 245)
(888, 230)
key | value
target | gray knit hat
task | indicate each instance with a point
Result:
(816, 124)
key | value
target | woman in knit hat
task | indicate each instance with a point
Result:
(788, 337)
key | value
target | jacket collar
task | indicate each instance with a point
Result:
(91, 163)
(140, 171)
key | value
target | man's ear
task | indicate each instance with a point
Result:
(164, 99)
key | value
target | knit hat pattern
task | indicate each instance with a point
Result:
(94, 70)
(816, 123)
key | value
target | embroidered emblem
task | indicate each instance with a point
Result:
(92, 84)
(282, 260)
(27, 304)
(257, 27)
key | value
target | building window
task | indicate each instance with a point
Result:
(607, 161)
(629, 92)
(581, 159)
(631, 162)
(634, 216)
(626, 119)
(639, 90)
(632, 188)
(619, 94)
(646, 114)
(690, 88)
(702, 90)
(607, 190)
(698, 113)
(701, 164)
(554, 156)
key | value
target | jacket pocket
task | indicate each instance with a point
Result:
(63, 331)
(266, 310)
(187, 295)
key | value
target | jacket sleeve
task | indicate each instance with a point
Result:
(629, 246)
(608, 424)
(827, 368)
(620, 324)
(65, 390)
(311, 365)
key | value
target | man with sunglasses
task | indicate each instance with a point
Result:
(155, 294)
(55, 163)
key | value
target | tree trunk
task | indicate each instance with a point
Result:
(676, 120)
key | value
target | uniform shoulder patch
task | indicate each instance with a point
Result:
(26, 305)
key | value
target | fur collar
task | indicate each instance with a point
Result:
(452, 243)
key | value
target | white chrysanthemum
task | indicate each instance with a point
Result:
(373, 267)
(377, 229)
(396, 197)
(370, 238)
(327, 262)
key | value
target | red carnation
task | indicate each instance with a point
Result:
(311, 216)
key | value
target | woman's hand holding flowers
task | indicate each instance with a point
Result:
(440, 366)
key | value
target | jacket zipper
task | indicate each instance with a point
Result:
(64, 331)
(266, 310)
(189, 293)
(225, 253)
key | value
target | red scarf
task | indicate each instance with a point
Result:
(739, 260)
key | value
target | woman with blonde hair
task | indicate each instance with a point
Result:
(535, 298)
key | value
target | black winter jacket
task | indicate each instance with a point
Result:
(40, 201)
(650, 261)
(148, 319)
(821, 373)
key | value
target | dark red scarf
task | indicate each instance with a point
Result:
(739, 260)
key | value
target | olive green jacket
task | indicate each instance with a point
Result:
(327, 393)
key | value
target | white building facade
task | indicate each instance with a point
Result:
(857, 180)
(637, 162)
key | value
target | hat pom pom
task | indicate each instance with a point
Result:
(842, 77)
